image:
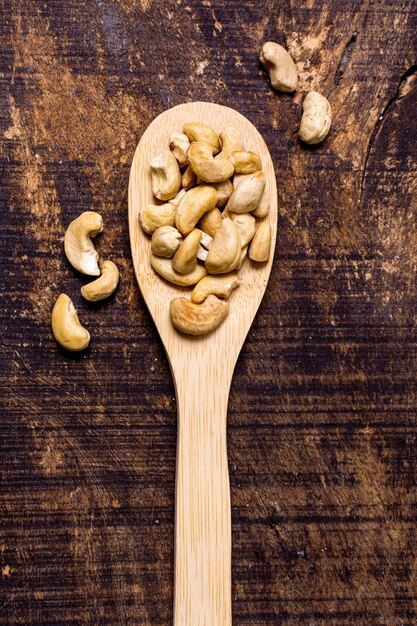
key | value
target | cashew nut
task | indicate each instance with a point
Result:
(232, 140)
(237, 178)
(165, 241)
(198, 319)
(208, 169)
(78, 246)
(201, 132)
(205, 244)
(185, 258)
(156, 215)
(189, 179)
(166, 176)
(224, 191)
(224, 254)
(246, 225)
(264, 205)
(66, 326)
(179, 144)
(261, 243)
(103, 286)
(245, 162)
(220, 286)
(280, 67)
(165, 269)
(192, 207)
(317, 118)
(210, 221)
(248, 193)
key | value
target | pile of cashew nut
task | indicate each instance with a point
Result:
(80, 252)
(317, 113)
(214, 194)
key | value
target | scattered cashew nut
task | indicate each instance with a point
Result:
(192, 207)
(189, 179)
(245, 162)
(166, 176)
(198, 319)
(232, 140)
(280, 67)
(263, 207)
(221, 286)
(66, 326)
(224, 254)
(165, 241)
(201, 132)
(179, 144)
(205, 166)
(79, 248)
(154, 216)
(248, 193)
(317, 118)
(246, 225)
(103, 286)
(211, 221)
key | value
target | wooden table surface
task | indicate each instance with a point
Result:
(323, 406)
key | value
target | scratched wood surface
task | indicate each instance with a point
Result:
(323, 406)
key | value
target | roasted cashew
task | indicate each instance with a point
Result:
(221, 286)
(248, 193)
(198, 319)
(179, 144)
(165, 269)
(317, 118)
(192, 207)
(165, 241)
(261, 243)
(245, 162)
(224, 191)
(210, 221)
(201, 132)
(78, 246)
(246, 225)
(66, 326)
(232, 140)
(224, 254)
(280, 66)
(156, 215)
(185, 258)
(189, 179)
(208, 169)
(166, 176)
(103, 286)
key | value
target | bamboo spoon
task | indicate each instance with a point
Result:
(202, 368)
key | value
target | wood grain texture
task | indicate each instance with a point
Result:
(202, 369)
(323, 405)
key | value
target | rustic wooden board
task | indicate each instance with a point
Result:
(323, 406)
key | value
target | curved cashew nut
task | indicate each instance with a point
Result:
(246, 225)
(198, 319)
(189, 179)
(245, 162)
(66, 326)
(208, 169)
(264, 205)
(317, 118)
(192, 207)
(261, 243)
(210, 221)
(280, 67)
(185, 258)
(232, 140)
(79, 248)
(224, 191)
(179, 144)
(165, 241)
(224, 254)
(201, 132)
(154, 216)
(248, 193)
(166, 176)
(103, 286)
(165, 269)
(220, 286)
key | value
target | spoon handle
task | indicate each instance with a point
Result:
(202, 594)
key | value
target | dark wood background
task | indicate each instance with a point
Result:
(323, 406)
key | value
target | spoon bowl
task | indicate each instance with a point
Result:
(202, 369)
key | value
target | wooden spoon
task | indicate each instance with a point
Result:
(202, 368)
